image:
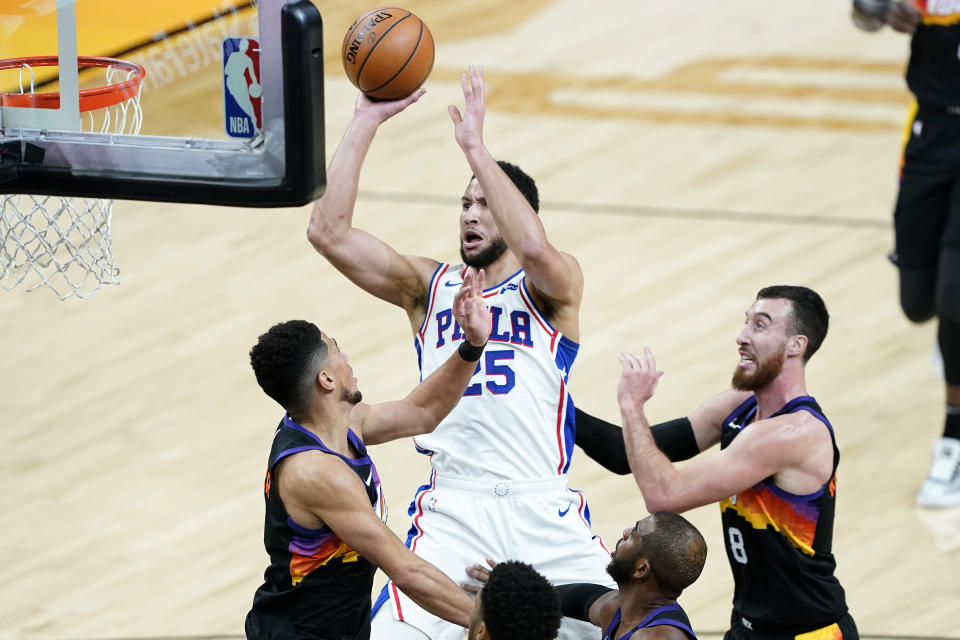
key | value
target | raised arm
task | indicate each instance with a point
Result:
(554, 275)
(430, 401)
(366, 260)
(767, 448)
(326, 488)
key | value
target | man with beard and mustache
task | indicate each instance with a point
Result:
(774, 476)
(498, 484)
(324, 527)
(653, 562)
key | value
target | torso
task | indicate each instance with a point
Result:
(933, 73)
(516, 402)
(315, 580)
(779, 543)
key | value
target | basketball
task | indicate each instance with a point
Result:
(388, 53)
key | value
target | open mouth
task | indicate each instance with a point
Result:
(471, 239)
(746, 359)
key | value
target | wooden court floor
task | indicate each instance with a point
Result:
(687, 155)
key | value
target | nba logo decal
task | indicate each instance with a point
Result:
(241, 87)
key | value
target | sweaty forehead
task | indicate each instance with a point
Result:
(776, 308)
(473, 190)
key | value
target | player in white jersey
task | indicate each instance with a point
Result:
(497, 484)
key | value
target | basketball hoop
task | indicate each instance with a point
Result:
(62, 242)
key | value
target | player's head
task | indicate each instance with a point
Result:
(481, 242)
(663, 547)
(785, 323)
(292, 358)
(516, 603)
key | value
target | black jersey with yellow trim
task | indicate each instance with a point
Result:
(779, 544)
(315, 585)
(933, 73)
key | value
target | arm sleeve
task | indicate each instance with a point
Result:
(603, 441)
(576, 599)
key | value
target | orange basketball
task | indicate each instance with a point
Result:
(388, 53)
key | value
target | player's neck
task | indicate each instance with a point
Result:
(637, 601)
(327, 423)
(501, 269)
(785, 387)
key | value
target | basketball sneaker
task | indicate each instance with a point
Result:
(942, 486)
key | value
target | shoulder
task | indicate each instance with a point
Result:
(660, 632)
(787, 438)
(309, 475)
(714, 410)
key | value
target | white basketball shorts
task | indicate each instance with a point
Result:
(458, 521)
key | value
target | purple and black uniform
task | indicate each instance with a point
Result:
(316, 586)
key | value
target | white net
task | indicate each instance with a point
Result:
(63, 243)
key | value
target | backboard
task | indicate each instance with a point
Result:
(251, 132)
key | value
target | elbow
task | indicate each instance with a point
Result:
(317, 236)
(659, 500)
(321, 233)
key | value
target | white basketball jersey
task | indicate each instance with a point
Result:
(515, 420)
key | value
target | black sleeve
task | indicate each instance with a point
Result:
(603, 441)
(577, 598)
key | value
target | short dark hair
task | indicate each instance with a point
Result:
(810, 317)
(286, 360)
(676, 551)
(523, 182)
(517, 603)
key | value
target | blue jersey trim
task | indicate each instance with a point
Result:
(426, 310)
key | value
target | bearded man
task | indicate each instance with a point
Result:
(774, 476)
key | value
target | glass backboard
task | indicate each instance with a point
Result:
(205, 101)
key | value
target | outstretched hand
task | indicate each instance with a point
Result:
(638, 380)
(470, 310)
(381, 111)
(468, 126)
(479, 573)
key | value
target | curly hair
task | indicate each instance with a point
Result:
(286, 360)
(517, 603)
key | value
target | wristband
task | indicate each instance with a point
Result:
(469, 352)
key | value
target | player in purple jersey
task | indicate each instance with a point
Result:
(654, 561)
(774, 476)
(324, 527)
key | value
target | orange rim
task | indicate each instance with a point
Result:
(90, 99)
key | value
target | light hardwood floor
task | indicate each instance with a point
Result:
(686, 153)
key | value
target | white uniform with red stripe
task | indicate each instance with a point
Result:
(499, 460)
